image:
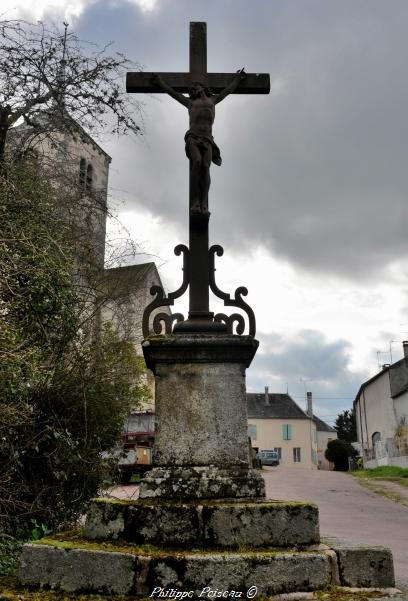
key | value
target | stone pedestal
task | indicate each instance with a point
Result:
(201, 443)
(201, 528)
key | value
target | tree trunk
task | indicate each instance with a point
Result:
(5, 112)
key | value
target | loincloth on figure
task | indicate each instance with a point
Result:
(206, 142)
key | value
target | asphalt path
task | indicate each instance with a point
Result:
(346, 510)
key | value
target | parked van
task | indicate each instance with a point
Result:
(269, 457)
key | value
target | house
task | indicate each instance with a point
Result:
(325, 434)
(125, 294)
(381, 410)
(276, 422)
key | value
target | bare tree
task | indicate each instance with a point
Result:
(53, 80)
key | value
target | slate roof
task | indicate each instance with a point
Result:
(281, 406)
(321, 426)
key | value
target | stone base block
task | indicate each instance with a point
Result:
(78, 565)
(77, 570)
(202, 483)
(140, 571)
(363, 565)
(217, 524)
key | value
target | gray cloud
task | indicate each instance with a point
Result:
(308, 361)
(316, 172)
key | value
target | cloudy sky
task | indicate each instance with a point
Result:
(310, 202)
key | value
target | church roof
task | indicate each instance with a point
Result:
(46, 118)
(280, 406)
(120, 282)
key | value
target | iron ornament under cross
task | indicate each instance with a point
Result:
(205, 90)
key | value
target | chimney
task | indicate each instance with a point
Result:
(266, 396)
(309, 409)
(405, 347)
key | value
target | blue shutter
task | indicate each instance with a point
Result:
(287, 431)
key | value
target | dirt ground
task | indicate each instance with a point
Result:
(347, 510)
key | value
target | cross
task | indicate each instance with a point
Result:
(199, 276)
(255, 83)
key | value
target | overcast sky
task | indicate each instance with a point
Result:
(310, 202)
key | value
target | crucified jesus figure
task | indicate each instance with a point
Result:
(201, 149)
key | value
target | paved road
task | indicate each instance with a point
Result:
(347, 510)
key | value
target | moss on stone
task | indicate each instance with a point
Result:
(151, 502)
(113, 501)
(159, 338)
(334, 593)
(11, 590)
(74, 540)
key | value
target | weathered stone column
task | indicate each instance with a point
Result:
(201, 445)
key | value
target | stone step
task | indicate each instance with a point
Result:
(223, 524)
(202, 482)
(80, 566)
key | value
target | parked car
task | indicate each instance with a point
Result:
(269, 457)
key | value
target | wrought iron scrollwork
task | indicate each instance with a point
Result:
(163, 319)
(163, 322)
(162, 300)
(237, 301)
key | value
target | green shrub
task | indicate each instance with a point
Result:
(338, 452)
(10, 549)
(64, 395)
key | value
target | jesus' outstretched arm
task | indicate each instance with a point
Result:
(239, 76)
(158, 81)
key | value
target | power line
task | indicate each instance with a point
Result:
(333, 398)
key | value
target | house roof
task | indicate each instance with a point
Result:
(398, 378)
(321, 426)
(281, 406)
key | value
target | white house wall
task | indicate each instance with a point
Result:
(375, 411)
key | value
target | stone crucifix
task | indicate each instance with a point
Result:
(205, 91)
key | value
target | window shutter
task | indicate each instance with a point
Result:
(287, 431)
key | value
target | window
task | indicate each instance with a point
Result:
(287, 431)
(376, 437)
(279, 451)
(86, 175)
(89, 177)
(296, 455)
(252, 431)
(82, 173)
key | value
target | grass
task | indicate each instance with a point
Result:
(376, 480)
(390, 473)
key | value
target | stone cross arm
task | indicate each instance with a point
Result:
(254, 83)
